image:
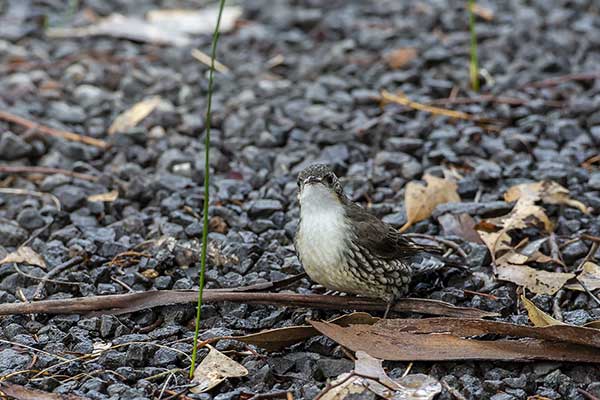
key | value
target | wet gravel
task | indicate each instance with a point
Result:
(303, 87)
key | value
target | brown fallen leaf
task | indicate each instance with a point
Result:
(537, 316)
(19, 392)
(461, 225)
(133, 116)
(399, 58)
(279, 338)
(535, 280)
(445, 339)
(420, 200)
(548, 192)
(24, 255)
(107, 197)
(590, 277)
(214, 369)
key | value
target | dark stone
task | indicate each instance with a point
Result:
(11, 234)
(12, 147)
(70, 197)
(263, 208)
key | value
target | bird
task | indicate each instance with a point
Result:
(346, 248)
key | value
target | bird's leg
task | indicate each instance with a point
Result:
(388, 307)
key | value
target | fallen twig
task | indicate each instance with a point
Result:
(46, 130)
(403, 100)
(131, 302)
(53, 272)
(205, 59)
(587, 395)
(485, 98)
(25, 192)
(586, 76)
(9, 169)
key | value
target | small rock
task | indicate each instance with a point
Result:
(30, 219)
(12, 147)
(263, 208)
(11, 234)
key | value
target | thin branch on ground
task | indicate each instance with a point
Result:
(387, 97)
(130, 302)
(46, 130)
(38, 294)
(9, 169)
(586, 76)
(25, 192)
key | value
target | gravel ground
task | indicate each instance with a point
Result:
(303, 85)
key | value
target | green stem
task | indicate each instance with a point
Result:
(474, 64)
(206, 187)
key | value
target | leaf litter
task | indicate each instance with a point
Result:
(24, 255)
(369, 375)
(452, 339)
(511, 261)
(420, 200)
(214, 369)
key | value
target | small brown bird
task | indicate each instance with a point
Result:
(344, 247)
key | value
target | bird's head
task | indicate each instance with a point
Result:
(318, 184)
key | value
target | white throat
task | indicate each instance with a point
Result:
(322, 234)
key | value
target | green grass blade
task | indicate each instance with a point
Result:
(474, 64)
(206, 186)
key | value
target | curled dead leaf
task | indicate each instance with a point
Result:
(590, 277)
(537, 281)
(537, 316)
(24, 255)
(548, 192)
(214, 369)
(420, 200)
(369, 375)
(133, 116)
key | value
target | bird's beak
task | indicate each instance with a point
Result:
(311, 179)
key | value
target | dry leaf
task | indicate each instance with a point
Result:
(279, 338)
(461, 225)
(400, 57)
(122, 27)
(343, 387)
(214, 369)
(537, 281)
(24, 255)
(593, 324)
(134, 115)
(483, 12)
(420, 201)
(371, 376)
(107, 197)
(537, 316)
(445, 339)
(494, 231)
(548, 192)
(195, 21)
(590, 277)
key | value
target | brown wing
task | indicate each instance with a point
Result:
(380, 238)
